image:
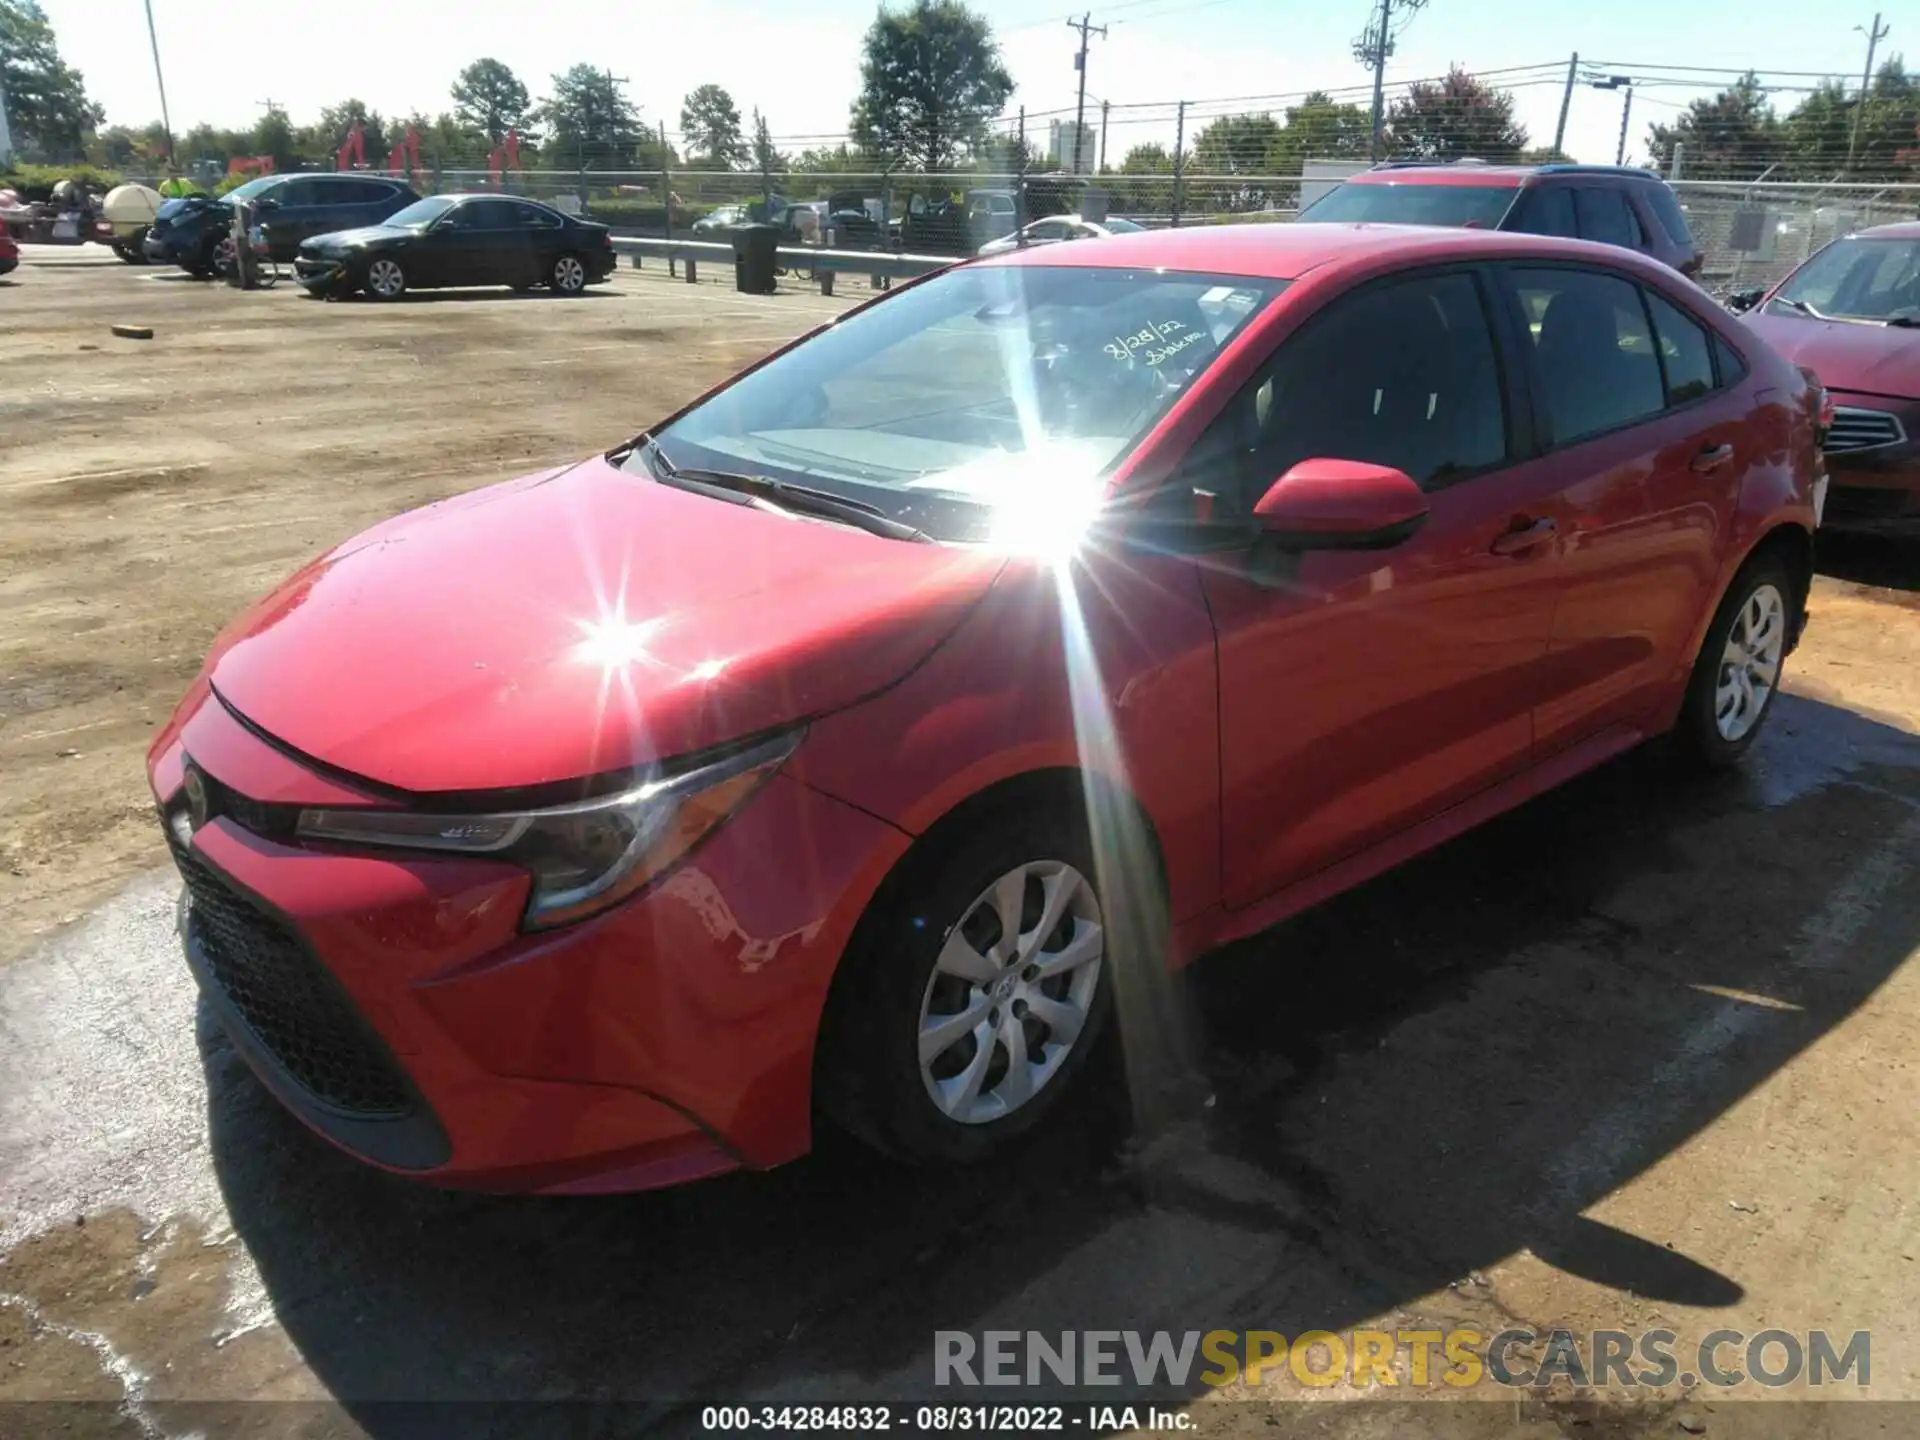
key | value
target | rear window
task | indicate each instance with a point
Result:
(1400, 202)
(1666, 208)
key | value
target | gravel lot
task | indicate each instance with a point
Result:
(1640, 1054)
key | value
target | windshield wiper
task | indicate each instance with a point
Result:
(1802, 306)
(782, 495)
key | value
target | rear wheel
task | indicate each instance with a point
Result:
(568, 276)
(385, 279)
(975, 998)
(1737, 674)
(220, 257)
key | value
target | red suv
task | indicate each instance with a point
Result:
(1610, 204)
(1851, 313)
(867, 738)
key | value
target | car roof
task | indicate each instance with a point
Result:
(1898, 230)
(1286, 252)
(1473, 172)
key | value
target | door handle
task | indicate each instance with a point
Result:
(1524, 537)
(1712, 458)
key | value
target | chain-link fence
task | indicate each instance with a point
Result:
(1754, 235)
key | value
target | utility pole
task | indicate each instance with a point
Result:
(613, 110)
(1874, 36)
(1103, 136)
(1179, 159)
(166, 121)
(1624, 83)
(1566, 101)
(1381, 40)
(1086, 27)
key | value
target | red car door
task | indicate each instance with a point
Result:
(1649, 450)
(1363, 691)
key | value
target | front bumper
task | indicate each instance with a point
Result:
(1876, 490)
(322, 272)
(393, 1003)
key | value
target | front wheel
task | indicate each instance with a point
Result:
(976, 995)
(568, 276)
(1738, 671)
(220, 257)
(385, 279)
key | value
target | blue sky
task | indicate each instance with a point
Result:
(801, 63)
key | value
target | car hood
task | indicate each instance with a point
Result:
(1877, 359)
(580, 621)
(337, 242)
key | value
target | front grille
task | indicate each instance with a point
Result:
(1856, 429)
(295, 1009)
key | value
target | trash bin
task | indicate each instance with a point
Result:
(754, 258)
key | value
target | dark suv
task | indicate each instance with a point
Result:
(1613, 204)
(196, 233)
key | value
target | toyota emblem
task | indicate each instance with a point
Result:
(196, 797)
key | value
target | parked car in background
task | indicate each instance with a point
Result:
(9, 253)
(455, 240)
(830, 748)
(1851, 314)
(196, 233)
(1610, 204)
(1056, 228)
(718, 221)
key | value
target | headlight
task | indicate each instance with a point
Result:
(585, 856)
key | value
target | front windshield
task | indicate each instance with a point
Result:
(1858, 278)
(421, 213)
(1400, 203)
(985, 387)
(1121, 227)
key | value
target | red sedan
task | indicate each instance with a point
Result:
(864, 740)
(1851, 314)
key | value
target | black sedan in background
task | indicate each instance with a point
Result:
(453, 240)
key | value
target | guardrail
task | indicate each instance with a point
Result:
(882, 266)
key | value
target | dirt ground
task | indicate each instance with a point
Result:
(150, 488)
(1639, 1055)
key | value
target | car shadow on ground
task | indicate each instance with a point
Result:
(453, 297)
(1404, 1086)
(1879, 560)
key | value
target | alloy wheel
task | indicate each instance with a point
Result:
(1750, 664)
(569, 275)
(223, 256)
(385, 279)
(1011, 992)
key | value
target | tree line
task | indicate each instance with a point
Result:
(933, 89)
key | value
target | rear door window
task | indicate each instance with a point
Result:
(1672, 218)
(1685, 351)
(1604, 216)
(1594, 361)
(1547, 210)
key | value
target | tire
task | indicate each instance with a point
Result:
(568, 276)
(219, 259)
(386, 280)
(1737, 675)
(133, 249)
(929, 956)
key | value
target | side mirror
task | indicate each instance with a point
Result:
(1341, 505)
(266, 203)
(1742, 301)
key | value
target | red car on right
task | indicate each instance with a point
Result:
(1851, 314)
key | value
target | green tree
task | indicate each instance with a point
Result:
(1733, 136)
(489, 99)
(1232, 146)
(840, 160)
(1890, 126)
(767, 159)
(1453, 118)
(1319, 129)
(1132, 190)
(337, 122)
(273, 134)
(931, 80)
(591, 123)
(48, 111)
(710, 123)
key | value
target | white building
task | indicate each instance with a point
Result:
(1073, 147)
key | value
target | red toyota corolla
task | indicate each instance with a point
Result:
(848, 744)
